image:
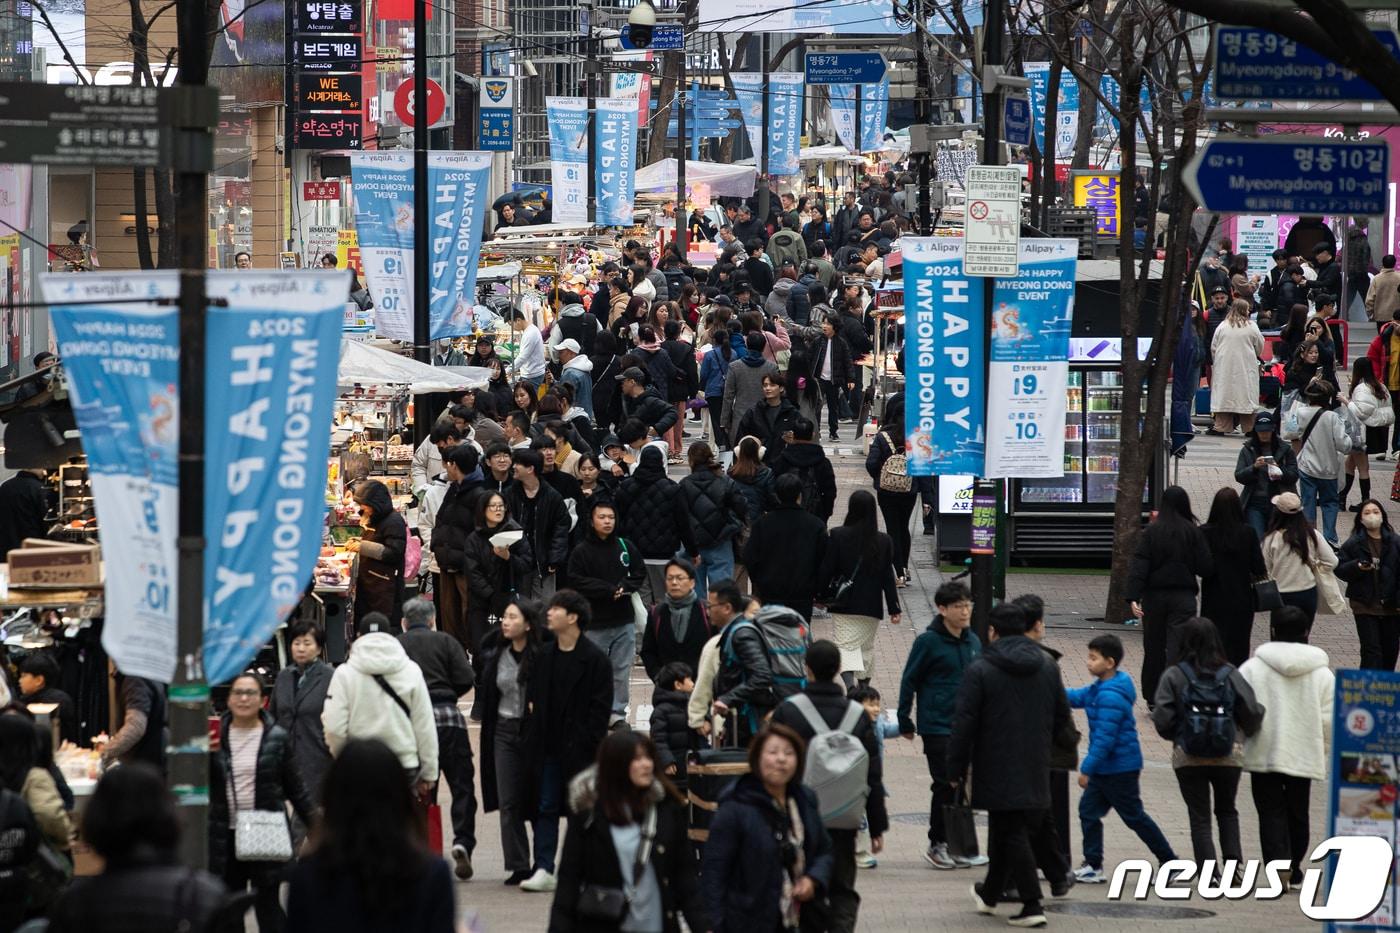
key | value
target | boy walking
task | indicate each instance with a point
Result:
(1110, 769)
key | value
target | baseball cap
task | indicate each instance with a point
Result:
(1220, 290)
(1264, 421)
(724, 300)
(634, 373)
(571, 345)
(1287, 502)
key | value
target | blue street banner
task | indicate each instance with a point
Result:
(458, 197)
(945, 399)
(271, 381)
(785, 98)
(615, 163)
(748, 92)
(843, 115)
(874, 114)
(123, 367)
(568, 157)
(1030, 362)
(849, 18)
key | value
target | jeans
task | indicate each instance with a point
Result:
(1197, 783)
(1117, 792)
(896, 507)
(1009, 857)
(832, 393)
(838, 913)
(455, 761)
(1162, 612)
(716, 563)
(1305, 600)
(1256, 515)
(1380, 641)
(551, 805)
(1282, 803)
(936, 751)
(510, 749)
(1320, 493)
(620, 645)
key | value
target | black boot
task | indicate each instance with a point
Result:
(1346, 488)
(1365, 493)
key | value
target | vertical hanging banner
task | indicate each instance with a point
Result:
(458, 185)
(615, 164)
(945, 399)
(748, 92)
(383, 185)
(123, 367)
(785, 97)
(874, 114)
(271, 378)
(843, 115)
(1031, 316)
(568, 157)
(270, 388)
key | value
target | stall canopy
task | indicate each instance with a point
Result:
(724, 180)
(366, 365)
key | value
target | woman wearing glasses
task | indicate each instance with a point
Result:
(379, 578)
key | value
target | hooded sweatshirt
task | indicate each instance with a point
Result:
(578, 374)
(357, 707)
(1294, 684)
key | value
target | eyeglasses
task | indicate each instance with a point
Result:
(245, 693)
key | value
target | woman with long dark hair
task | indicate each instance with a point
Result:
(1209, 763)
(494, 573)
(627, 835)
(862, 554)
(1291, 333)
(755, 480)
(1369, 562)
(1161, 586)
(508, 659)
(893, 490)
(1227, 595)
(1291, 548)
(803, 388)
(714, 367)
(523, 398)
(370, 868)
(499, 386)
(1370, 404)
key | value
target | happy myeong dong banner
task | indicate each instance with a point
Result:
(270, 386)
(568, 157)
(458, 190)
(615, 163)
(785, 94)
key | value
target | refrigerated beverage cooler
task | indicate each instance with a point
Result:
(1072, 516)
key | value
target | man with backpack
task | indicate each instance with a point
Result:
(843, 768)
(761, 659)
(807, 460)
(786, 548)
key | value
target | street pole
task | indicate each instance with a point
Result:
(985, 588)
(188, 753)
(923, 115)
(761, 157)
(682, 217)
(591, 68)
(422, 351)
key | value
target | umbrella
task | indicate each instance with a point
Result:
(516, 197)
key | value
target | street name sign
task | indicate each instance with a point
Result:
(1016, 120)
(844, 67)
(992, 221)
(1255, 64)
(665, 37)
(1291, 175)
(90, 105)
(612, 67)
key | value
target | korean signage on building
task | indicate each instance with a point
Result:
(496, 106)
(325, 52)
(1099, 190)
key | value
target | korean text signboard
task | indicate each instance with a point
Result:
(992, 222)
(1099, 190)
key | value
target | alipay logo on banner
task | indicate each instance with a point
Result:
(616, 161)
(568, 157)
(123, 367)
(383, 184)
(748, 91)
(874, 114)
(945, 399)
(785, 123)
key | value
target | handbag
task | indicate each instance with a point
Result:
(894, 472)
(960, 826)
(1329, 592)
(1266, 596)
(639, 608)
(610, 904)
(261, 836)
(842, 585)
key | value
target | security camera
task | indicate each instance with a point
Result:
(640, 23)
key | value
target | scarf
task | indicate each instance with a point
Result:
(680, 614)
(791, 909)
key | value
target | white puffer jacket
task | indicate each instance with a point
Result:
(1371, 411)
(357, 707)
(1294, 685)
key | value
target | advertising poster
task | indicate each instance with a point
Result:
(615, 163)
(843, 115)
(459, 183)
(945, 398)
(785, 98)
(568, 157)
(1031, 316)
(874, 114)
(748, 91)
(1256, 236)
(1099, 190)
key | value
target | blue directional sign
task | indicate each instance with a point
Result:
(1016, 120)
(1255, 64)
(704, 128)
(1291, 175)
(845, 67)
(665, 37)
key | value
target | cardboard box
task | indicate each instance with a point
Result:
(56, 566)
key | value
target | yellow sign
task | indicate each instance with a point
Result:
(347, 250)
(1099, 190)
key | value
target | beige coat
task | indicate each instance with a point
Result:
(1383, 297)
(41, 793)
(1234, 373)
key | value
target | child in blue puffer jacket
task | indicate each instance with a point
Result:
(1110, 769)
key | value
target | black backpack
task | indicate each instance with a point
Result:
(1208, 713)
(811, 490)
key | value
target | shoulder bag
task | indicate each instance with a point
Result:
(838, 588)
(611, 904)
(1329, 592)
(1266, 595)
(639, 606)
(259, 835)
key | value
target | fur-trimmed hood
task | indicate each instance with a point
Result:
(583, 790)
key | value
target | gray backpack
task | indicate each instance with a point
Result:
(837, 767)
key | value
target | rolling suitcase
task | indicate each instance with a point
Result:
(709, 772)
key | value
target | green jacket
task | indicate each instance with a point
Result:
(934, 672)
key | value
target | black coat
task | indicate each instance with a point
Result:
(842, 370)
(322, 901)
(1376, 586)
(584, 720)
(443, 661)
(768, 423)
(1227, 595)
(650, 510)
(1165, 561)
(715, 507)
(492, 582)
(277, 782)
(742, 868)
(785, 554)
(143, 897)
(598, 568)
(853, 332)
(831, 702)
(23, 505)
(1257, 486)
(455, 520)
(549, 539)
(379, 586)
(804, 458)
(670, 730)
(760, 276)
(296, 708)
(1011, 708)
(488, 702)
(589, 857)
(659, 644)
(880, 451)
(686, 381)
(650, 408)
(874, 588)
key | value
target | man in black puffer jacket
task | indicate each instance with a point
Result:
(652, 515)
(716, 510)
(786, 549)
(645, 403)
(455, 520)
(805, 459)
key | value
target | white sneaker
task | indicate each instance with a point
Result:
(540, 882)
(972, 861)
(1088, 874)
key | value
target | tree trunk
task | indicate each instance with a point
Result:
(670, 76)
(1048, 185)
(165, 220)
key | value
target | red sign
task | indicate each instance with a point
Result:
(320, 191)
(404, 97)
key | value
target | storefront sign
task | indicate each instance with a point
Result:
(496, 106)
(984, 522)
(1099, 190)
(568, 157)
(326, 131)
(328, 16)
(320, 191)
(1030, 362)
(945, 401)
(338, 53)
(338, 93)
(615, 162)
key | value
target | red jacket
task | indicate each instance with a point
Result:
(1379, 353)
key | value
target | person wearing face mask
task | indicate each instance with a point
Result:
(1370, 565)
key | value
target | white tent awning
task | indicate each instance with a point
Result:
(367, 365)
(724, 180)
